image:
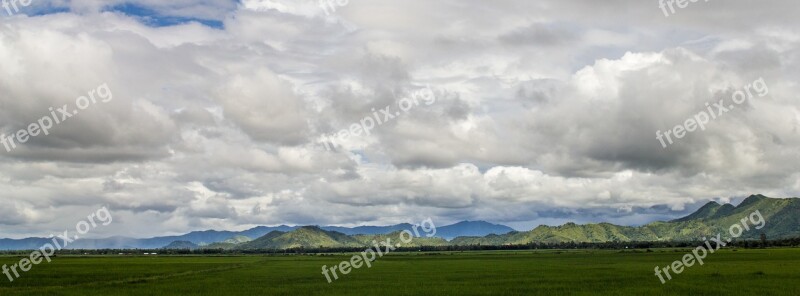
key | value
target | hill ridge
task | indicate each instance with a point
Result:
(782, 216)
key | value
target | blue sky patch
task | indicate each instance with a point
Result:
(153, 18)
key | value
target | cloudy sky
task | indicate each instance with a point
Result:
(544, 112)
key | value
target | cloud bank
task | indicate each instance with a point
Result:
(547, 112)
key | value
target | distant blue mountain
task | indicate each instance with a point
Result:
(471, 228)
(466, 228)
(369, 229)
(22, 244)
(196, 237)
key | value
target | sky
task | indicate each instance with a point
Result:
(515, 112)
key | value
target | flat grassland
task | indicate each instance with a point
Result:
(550, 272)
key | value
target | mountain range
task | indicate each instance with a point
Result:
(775, 218)
(781, 219)
(221, 239)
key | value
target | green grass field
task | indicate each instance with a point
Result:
(574, 272)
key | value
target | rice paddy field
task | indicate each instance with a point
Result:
(550, 272)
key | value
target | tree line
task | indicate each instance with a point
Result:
(747, 244)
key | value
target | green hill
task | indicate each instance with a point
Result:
(781, 216)
(228, 244)
(396, 239)
(181, 245)
(303, 237)
(707, 211)
(315, 237)
(239, 239)
(261, 242)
